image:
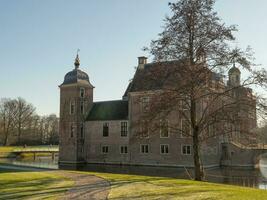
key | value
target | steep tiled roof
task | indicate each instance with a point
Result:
(155, 76)
(109, 110)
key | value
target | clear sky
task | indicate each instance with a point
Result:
(39, 40)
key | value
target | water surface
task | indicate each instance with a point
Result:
(256, 178)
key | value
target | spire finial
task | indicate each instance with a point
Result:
(77, 60)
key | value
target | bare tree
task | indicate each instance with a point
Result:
(24, 116)
(19, 122)
(7, 113)
(194, 53)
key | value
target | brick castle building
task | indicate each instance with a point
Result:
(103, 132)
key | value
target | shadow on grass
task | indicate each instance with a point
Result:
(25, 186)
(15, 189)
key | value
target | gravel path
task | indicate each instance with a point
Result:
(86, 187)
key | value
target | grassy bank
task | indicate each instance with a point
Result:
(38, 185)
(145, 187)
(32, 185)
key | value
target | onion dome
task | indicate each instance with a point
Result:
(234, 70)
(76, 75)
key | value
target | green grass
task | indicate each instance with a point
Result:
(44, 185)
(6, 149)
(145, 187)
(32, 185)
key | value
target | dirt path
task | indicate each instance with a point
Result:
(86, 187)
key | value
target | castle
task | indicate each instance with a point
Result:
(103, 132)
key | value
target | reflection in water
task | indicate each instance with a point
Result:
(242, 177)
(40, 162)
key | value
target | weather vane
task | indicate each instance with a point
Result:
(77, 60)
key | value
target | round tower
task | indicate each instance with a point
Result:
(76, 99)
(234, 76)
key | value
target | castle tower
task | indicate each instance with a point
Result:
(76, 99)
(234, 77)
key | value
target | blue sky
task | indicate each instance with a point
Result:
(39, 40)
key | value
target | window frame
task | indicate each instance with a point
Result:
(190, 149)
(124, 129)
(72, 107)
(168, 129)
(72, 130)
(182, 135)
(103, 129)
(104, 148)
(144, 145)
(164, 153)
(122, 149)
(82, 107)
(142, 125)
(82, 92)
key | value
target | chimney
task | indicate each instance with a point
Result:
(141, 62)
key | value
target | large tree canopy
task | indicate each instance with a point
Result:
(196, 50)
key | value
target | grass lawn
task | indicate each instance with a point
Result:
(144, 187)
(32, 185)
(42, 185)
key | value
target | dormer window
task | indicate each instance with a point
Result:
(82, 92)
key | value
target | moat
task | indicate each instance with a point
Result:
(256, 178)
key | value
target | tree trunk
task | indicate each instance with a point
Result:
(196, 143)
(19, 134)
(6, 138)
(197, 160)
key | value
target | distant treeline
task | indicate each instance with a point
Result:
(20, 125)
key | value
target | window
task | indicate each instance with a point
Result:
(105, 129)
(82, 131)
(71, 130)
(144, 129)
(82, 107)
(144, 148)
(104, 149)
(124, 129)
(123, 149)
(185, 128)
(82, 92)
(164, 128)
(164, 148)
(186, 149)
(72, 107)
(145, 104)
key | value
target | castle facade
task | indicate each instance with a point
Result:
(104, 132)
